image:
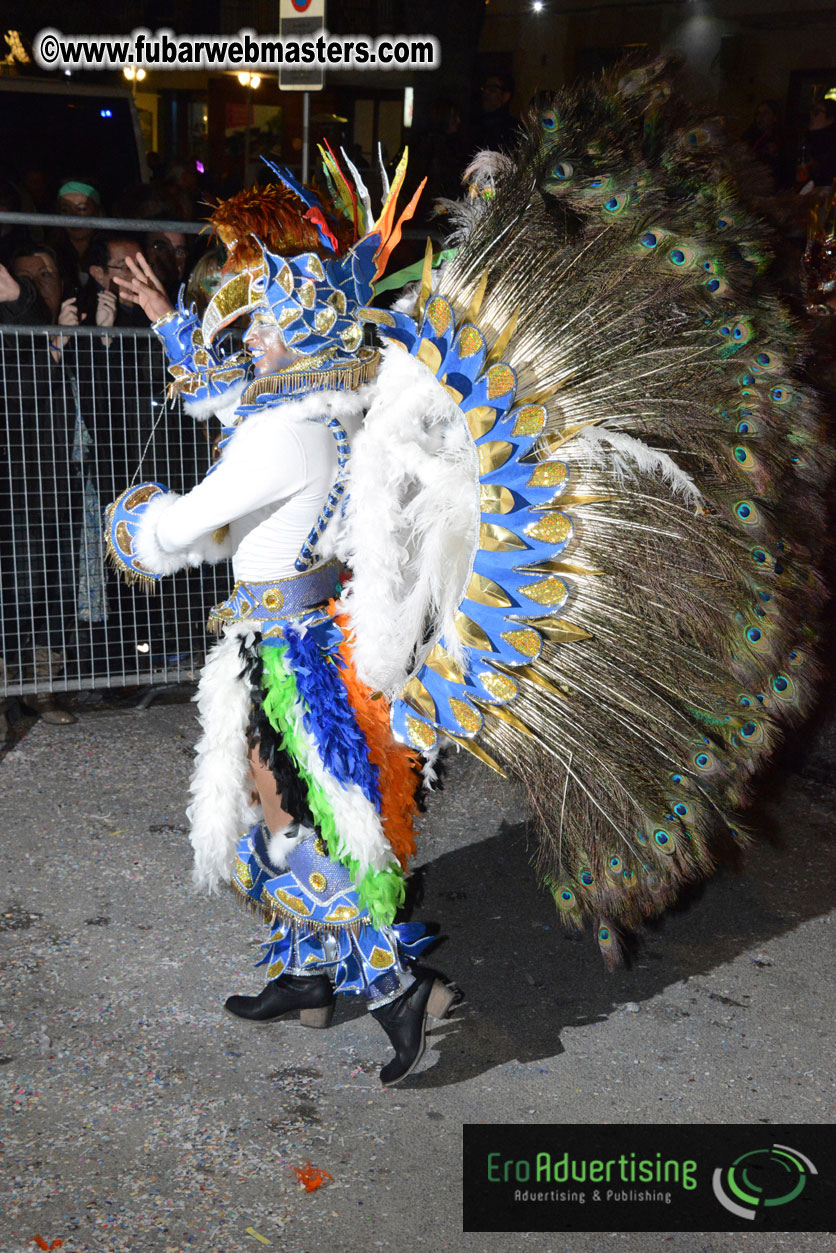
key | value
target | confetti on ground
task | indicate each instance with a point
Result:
(255, 1235)
(311, 1176)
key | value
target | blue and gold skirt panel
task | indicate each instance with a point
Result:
(317, 925)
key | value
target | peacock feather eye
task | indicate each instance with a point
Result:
(763, 358)
(648, 240)
(676, 778)
(682, 256)
(563, 170)
(548, 120)
(681, 809)
(748, 512)
(744, 458)
(704, 761)
(565, 898)
(587, 878)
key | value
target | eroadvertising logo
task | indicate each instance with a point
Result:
(606, 1177)
(783, 1174)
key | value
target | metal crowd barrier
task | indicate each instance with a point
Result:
(78, 424)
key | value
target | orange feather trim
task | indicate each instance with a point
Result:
(397, 765)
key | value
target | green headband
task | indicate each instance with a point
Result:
(80, 189)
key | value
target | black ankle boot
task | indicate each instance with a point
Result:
(404, 1021)
(312, 995)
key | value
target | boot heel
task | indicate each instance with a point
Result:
(319, 1018)
(440, 1000)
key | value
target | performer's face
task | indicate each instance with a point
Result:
(266, 347)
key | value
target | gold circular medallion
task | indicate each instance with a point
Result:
(318, 881)
(272, 599)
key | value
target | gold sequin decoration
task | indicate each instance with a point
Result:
(380, 959)
(501, 380)
(324, 320)
(495, 499)
(526, 641)
(546, 592)
(272, 599)
(552, 528)
(243, 873)
(429, 355)
(480, 420)
(470, 341)
(498, 539)
(486, 592)
(306, 294)
(288, 315)
(343, 913)
(141, 495)
(439, 315)
(549, 474)
(499, 686)
(466, 716)
(320, 847)
(530, 420)
(123, 537)
(352, 337)
(314, 265)
(493, 455)
(440, 661)
(293, 903)
(417, 695)
(285, 279)
(337, 299)
(420, 735)
(471, 633)
(275, 968)
(317, 881)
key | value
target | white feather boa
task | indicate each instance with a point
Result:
(411, 523)
(221, 809)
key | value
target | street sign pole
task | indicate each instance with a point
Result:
(302, 18)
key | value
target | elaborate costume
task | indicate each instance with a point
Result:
(331, 878)
(581, 521)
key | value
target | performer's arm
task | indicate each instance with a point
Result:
(263, 464)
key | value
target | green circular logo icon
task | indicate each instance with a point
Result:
(762, 1178)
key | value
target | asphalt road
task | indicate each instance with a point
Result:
(138, 1117)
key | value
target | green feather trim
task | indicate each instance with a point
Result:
(379, 891)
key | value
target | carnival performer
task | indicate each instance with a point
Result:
(295, 749)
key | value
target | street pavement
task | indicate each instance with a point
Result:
(139, 1118)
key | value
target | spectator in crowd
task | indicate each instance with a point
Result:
(167, 253)
(205, 279)
(441, 154)
(79, 199)
(108, 304)
(495, 127)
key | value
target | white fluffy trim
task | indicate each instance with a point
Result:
(625, 456)
(282, 843)
(411, 524)
(222, 407)
(164, 561)
(221, 810)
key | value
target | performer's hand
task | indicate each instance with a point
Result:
(106, 308)
(145, 288)
(9, 287)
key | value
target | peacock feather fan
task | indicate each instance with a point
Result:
(606, 377)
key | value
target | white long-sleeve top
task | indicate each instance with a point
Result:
(268, 487)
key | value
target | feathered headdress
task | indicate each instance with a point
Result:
(308, 266)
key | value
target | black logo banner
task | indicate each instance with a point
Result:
(619, 1177)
